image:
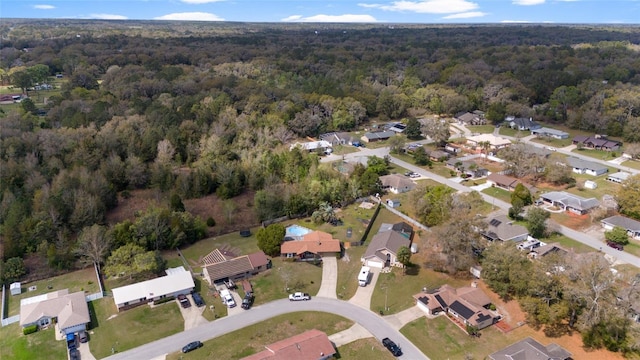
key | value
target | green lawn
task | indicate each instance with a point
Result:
(634, 164)
(633, 247)
(397, 290)
(348, 269)
(254, 338)
(369, 348)
(482, 129)
(439, 338)
(294, 276)
(604, 187)
(344, 149)
(568, 243)
(130, 328)
(81, 280)
(16, 346)
(498, 193)
(597, 154)
(507, 131)
(558, 143)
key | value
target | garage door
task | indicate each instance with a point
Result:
(374, 263)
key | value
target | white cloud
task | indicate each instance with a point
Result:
(190, 16)
(427, 6)
(346, 18)
(200, 1)
(528, 2)
(107, 17)
(44, 7)
(466, 15)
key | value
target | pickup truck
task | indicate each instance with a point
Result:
(299, 296)
(392, 347)
(227, 298)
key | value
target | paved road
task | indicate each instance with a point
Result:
(373, 323)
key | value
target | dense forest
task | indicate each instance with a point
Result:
(193, 109)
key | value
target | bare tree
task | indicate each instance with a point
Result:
(93, 244)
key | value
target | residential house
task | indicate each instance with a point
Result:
(312, 146)
(69, 312)
(310, 345)
(223, 268)
(470, 118)
(586, 167)
(339, 138)
(508, 183)
(502, 228)
(403, 228)
(468, 304)
(530, 349)
(377, 136)
(547, 249)
(495, 142)
(467, 168)
(521, 124)
(550, 133)
(452, 149)
(439, 155)
(398, 128)
(597, 142)
(569, 202)
(632, 226)
(383, 249)
(618, 177)
(396, 183)
(177, 281)
(314, 245)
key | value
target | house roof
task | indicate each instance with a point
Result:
(396, 181)
(169, 284)
(584, 164)
(70, 309)
(570, 200)
(492, 139)
(621, 175)
(526, 123)
(508, 181)
(467, 301)
(503, 228)
(580, 138)
(530, 349)
(217, 256)
(547, 249)
(624, 222)
(467, 117)
(596, 142)
(389, 240)
(379, 135)
(314, 242)
(310, 345)
(238, 265)
(311, 145)
(549, 131)
(437, 154)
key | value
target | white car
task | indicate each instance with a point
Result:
(227, 298)
(551, 148)
(299, 296)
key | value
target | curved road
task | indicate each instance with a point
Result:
(375, 324)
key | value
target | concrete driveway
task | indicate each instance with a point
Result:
(236, 297)
(85, 352)
(329, 277)
(362, 297)
(192, 315)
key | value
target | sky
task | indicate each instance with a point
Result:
(347, 11)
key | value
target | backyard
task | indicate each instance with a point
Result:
(254, 338)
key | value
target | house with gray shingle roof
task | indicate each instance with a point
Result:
(618, 177)
(530, 349)
(522, 123)
(70, 311)
(632, 226)
(569, 202)
(581, 166)
(396, 183)
(236, 268)
(377, 136)
(383, 249)
(548, 132)
(502, 228)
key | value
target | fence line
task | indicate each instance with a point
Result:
(10, 320)
(95, 296)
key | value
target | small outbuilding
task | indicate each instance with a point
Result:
(393, 203)
(15, 288)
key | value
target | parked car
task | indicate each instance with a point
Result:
(184, 302)
(191, 346)
(247, 302)
(615, 245)
(299, 296)
(551, 148)
(74, 354)
(83, 336)
(197, 299)
(392, 347)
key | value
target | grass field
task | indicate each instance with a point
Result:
(395, 290)
(143, 325)
(633, 164)
(254, 338)
(348, 269)
(568, 243)
(558, 143)
(507, 131)
(597, 154)
(16, 346)
(481, 129)
(369, 349)
(81, 280)
(604, 187)
(498, 193)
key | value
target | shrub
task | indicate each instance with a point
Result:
(211, 222)
(30, 329)
(164, 300)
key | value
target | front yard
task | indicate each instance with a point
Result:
(16, 346)
(254, 338)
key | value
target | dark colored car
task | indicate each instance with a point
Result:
(615, 245)
(191, 346)
(74, 354)
(197, 299)
(184, 302)
(247, 302)
(83, 336)
(392, 347)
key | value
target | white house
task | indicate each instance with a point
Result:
(618, 177)
(580, 166)
(177, 281)
(632, 226)
(312, 146)
(495, 142)
(68, 311)
(552, 133)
